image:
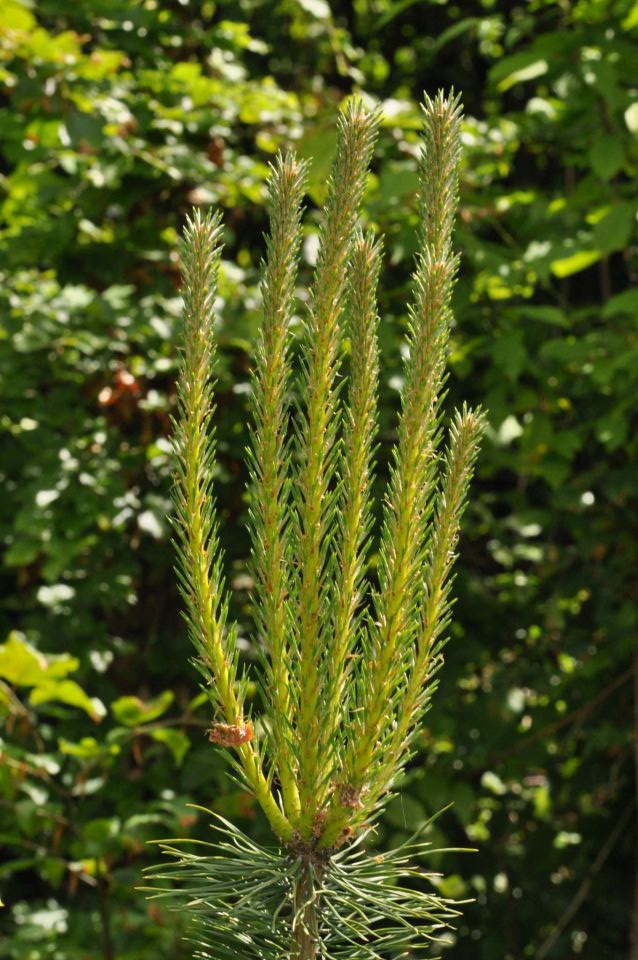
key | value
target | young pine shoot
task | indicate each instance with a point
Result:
(348, 659)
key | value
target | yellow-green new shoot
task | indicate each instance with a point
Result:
(348, 656)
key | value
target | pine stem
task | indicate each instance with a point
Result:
(319, 436)
(270, 509)
(418, 688)
(412, 487)
(359, 436)
(199, 554)
(305, 936)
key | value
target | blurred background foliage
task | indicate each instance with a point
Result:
(116, 117)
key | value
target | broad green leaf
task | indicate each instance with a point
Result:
(631, 20)
(509, 353)
(612, 430)
(555, 470)
(625, 302)
(67, 692)
(131, 711)
(518, 68)
(22, 665)
(466, 25)
(22, 552)
(398, 182)
(614, 230)
(16, 866)
(553, 316)
(16, 16)
(101, 836)
(88, 748)
(453, 886)
(566, 266)
(607, 157)
(318, 145)
(176, 741)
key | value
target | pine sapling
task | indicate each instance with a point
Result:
(348, 657)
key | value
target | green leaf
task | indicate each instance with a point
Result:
(22, 665)
(553, 316)
(554, 470)
(84, 129)
(607, 157)
(131, 711)
(88, 748)
(510, 354)
(53, 869)
(22, 552)
(612, 430)
(68, 692)
(318, 145)
(518, 68)
(623, 303)
(566, 266)
(631, 20)
(613, 232)
(465, 25)
(397, 182)
(101, 836)
(176, 741)
(453, 886)
(16, 16)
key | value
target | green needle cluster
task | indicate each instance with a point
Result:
(348, 657)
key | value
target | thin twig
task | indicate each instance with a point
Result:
(555, 725)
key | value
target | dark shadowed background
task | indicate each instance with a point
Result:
(116, 116)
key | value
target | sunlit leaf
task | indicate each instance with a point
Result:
(132, 711)
(176, 741)
(67, 692)
(575, 262)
